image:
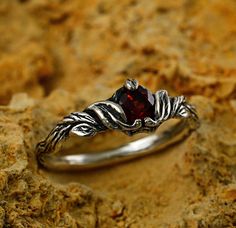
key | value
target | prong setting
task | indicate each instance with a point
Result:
(131, 84)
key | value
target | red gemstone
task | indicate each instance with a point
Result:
(137, 104)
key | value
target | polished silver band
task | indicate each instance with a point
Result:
(105, 115)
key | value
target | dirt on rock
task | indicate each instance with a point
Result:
(57, 57)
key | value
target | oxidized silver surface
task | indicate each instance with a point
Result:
(104, 115)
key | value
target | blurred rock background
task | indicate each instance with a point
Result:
(58, 56)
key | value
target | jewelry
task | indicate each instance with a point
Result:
(132, 109)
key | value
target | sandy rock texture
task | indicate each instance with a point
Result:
(59, 56)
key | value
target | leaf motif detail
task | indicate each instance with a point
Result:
(84, 129)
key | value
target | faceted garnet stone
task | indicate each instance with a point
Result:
(137, 104)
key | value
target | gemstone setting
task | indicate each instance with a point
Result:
(137, 103)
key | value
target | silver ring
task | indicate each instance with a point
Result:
(132, 109)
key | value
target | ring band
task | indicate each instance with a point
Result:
(132, 109)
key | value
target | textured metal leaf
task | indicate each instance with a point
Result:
(84, 129)
(113, 116)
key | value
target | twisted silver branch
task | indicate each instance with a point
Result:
(171, 107)
(79, 123)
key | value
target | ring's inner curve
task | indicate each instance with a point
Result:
(143, 146)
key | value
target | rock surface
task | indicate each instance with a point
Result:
(60, 56)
